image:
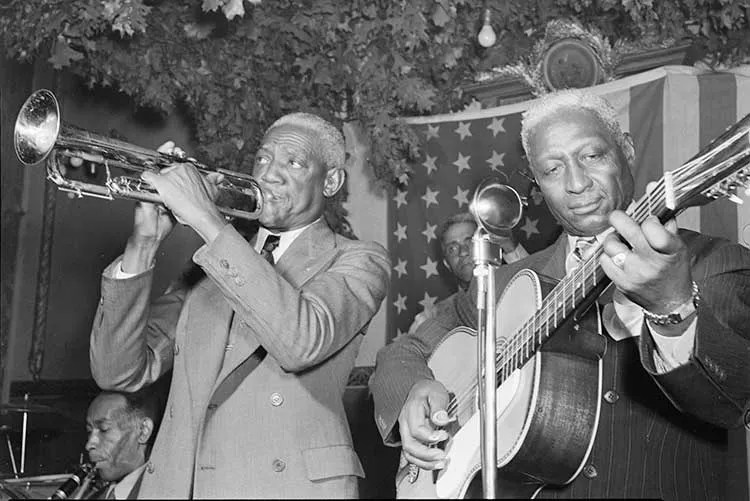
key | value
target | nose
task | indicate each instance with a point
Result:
(91, 442)
(272, 173)
(577, 179)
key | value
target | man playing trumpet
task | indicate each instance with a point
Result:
(262, 347)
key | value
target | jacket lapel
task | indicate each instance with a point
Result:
(555, 265)
(307, 255)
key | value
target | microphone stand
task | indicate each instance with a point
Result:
(487, 255)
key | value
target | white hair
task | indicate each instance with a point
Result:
(553, 103)
(329, 142)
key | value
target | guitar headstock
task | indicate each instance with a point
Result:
(721, 169)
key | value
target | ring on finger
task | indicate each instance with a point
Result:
(619, 259)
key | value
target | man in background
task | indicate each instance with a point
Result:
(121, 430)
(455, 244)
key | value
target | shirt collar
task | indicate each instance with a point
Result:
(126, 484)
(285, 239)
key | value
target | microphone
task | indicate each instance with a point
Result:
(75, 480)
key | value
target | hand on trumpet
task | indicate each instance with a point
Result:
(188, 194)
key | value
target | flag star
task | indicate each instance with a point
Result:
(400, 268)
(461, 197)
(400, 232)
(529, 227)
(428, 301)
(462, 163)
(400, 303)
(432, 131)
(430, 197)
(463, 130)
(429, 164)
(496, 126)
(400, 198)
(536, 195)
(404, 178)
(430, 267)
(429, 232)
(496, 160)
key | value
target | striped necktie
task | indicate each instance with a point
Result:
(271, 243)
(581, 250)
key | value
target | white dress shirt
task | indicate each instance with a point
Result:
(121, 489)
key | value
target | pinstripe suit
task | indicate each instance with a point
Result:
(644, 446)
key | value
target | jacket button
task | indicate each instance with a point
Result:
(150, 467)
(171, 411)
(212, 406)
(278, 465)
(239, 281)
(276, 399)
(611, 397)
(589, 471)
(224, 263)
(176, 349)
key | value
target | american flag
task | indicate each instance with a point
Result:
(670, 112)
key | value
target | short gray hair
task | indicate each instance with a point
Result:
(555, 102)
(329, 141)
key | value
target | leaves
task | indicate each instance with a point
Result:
(238, 66)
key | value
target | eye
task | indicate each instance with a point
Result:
(261, 160)
(551, 170)
(295, 164)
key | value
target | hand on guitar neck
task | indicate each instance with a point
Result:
(420, 422)
(654, 265)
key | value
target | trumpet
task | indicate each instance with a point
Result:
(40, 134)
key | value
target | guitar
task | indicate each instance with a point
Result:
(546, 424)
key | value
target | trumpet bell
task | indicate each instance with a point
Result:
(37, 127)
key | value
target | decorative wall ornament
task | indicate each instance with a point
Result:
(568, 56)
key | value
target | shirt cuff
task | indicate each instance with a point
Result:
(118, 274)
(673, 351)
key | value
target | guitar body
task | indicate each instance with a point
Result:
(547, 411)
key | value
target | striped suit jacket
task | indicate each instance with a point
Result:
(661, 436)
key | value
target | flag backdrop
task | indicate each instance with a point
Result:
(670, 112)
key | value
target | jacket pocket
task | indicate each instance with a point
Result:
(331, 461)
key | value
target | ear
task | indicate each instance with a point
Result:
(146, 428)
(334, 181)
(629, 149)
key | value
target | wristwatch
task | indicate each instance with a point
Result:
(678, 315)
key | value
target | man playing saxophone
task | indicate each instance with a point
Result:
(262, 347)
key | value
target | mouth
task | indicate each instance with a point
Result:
(585, 208)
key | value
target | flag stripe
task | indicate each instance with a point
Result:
(646, 128)
(718, 105)
(682, 133)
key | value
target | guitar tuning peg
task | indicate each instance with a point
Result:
(734, 198)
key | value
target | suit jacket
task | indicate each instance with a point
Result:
(239, 424)
(659, 435)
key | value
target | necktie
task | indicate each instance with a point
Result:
(581, 251)
(272, 241)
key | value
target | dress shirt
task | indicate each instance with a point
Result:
(624, 319)
(121, 489)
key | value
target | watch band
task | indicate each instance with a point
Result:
(680, 314)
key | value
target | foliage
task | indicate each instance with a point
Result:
(237, 66)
